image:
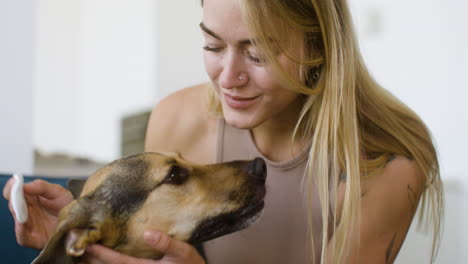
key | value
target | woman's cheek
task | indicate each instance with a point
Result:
(211, 67)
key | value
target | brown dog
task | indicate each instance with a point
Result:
(189, 202)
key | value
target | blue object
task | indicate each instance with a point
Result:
(10, 251)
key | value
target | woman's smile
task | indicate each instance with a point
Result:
(240, 102)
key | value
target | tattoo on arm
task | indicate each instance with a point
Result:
(388, 253)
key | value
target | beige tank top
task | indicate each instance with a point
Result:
(281, 233)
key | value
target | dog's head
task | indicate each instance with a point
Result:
(162, 192)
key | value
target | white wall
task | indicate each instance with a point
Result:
(100, 60)
(95, 63)
(117, 70)
(180, 61)
(56, 90)
(16, 59)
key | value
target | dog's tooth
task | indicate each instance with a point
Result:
(17, 199)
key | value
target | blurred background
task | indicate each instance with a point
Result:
(78, 79)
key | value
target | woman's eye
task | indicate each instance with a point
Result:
(213, 49)
(254, 57)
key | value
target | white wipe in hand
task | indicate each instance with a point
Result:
(17, 199)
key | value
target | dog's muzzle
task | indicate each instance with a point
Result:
(257, 169)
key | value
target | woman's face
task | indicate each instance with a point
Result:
(249, 92)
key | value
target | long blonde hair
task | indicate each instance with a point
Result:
(355, 125)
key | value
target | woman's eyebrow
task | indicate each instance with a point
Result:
(246, 42)
(208, 31)
(214, 35)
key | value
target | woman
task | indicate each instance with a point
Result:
(288, 84)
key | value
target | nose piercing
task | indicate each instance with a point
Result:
(240, 78)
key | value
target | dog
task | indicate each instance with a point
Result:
(159, 191)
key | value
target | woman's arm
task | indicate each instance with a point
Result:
(388, 204)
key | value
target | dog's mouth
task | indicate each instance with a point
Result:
(227, 223)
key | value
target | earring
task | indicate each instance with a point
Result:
(313, 75)
(316, 75)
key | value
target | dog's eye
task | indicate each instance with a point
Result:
(176, 175)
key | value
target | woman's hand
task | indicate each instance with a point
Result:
(175, 252)
(44, 201)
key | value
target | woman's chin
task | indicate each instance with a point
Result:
(241, 124)
(240, 120)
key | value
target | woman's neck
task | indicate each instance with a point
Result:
(274, 136)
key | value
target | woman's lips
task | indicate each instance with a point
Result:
(238, 102)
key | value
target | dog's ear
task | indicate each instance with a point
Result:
(54, 252)
(66, 247)
(72, 235)
(76, 186)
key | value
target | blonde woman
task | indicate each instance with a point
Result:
(348, 164)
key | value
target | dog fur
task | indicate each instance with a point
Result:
(190, 202)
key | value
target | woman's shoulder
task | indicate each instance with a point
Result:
(404, 170)
(396, 189)
(398, 171)
(181, 122)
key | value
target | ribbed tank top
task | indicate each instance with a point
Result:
(281, 233)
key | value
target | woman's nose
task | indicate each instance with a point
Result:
(233, 72)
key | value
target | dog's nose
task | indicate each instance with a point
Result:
(257, 169)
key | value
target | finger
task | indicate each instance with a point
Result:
(19, 227)
(12, 211)
(51, 204)
(165, 244)
(7, 189)
(26, 238)
(44, 189)
(89, 259)
(100, 254)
